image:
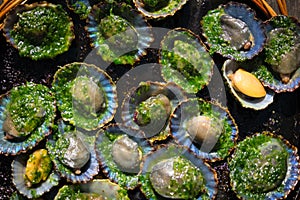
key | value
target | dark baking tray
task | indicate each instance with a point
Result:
(282, 116)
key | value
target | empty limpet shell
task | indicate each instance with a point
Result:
(247, 83)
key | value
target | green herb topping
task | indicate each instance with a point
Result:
(43, 32)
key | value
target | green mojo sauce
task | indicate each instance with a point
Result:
(258, 166)
(212, 29)
(43, 32)
(29, 107)
(116, 37)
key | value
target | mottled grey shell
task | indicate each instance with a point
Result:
(205, 131)
(173, 172)
(163, 175)
(76, 155)
(126, 154)
(235, 31)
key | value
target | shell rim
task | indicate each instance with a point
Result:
(25, 7)
(26, 145)
(52, 175)
(127, 116)
(252, 12)
(91, 167)
(152, 15)
(288, 145)
(211, 156)
(269, 98)
(280, 87)
(143, 41)
(201, 43)
(110, 109)
(187, 151)
(117, 128)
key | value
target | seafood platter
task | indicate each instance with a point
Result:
(149, 99)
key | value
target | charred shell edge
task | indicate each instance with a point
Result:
(159, 154)
(293, 168)
(177, 32)
(18, 170)
(155, 88)
(153, 15)
(181, 137)
(104, 80)
(139, 24)
(294, 82)
(255, 50)
(126, 180)
(15, 148)
(9, 22)
(256, 104)
(90, 169)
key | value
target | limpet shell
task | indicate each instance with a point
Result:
(167, 10)
(155, 130)
(212, 30)
(85, 173)
(229, 67)
(80, 7)
(18, 178)
(264, 72)
(210, 150)
(34, 44)
(103, 187)
(119, 33)
(14, 147)
(62, 84)
(171, 151)
(105, 145)
(185, 61)
(266, 145)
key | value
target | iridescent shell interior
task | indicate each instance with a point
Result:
(156, 129)
(108, 152)
(210, 149)
(34, 35)
(273, 143)
(118, 32)
(229, 67)
(171, 151)
(18, 174)
(265, 73)
(14, 147)
(185, 60)
(89, 169)
(212, 30)
(75, 113)
(159, 9)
